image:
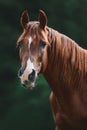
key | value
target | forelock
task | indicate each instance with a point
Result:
(34, 30)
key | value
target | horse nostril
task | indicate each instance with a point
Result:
(31, 76)
(20, 72)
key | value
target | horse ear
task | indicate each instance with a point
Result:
(42, 19)
(24, 19)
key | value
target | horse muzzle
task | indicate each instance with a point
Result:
(27, 79)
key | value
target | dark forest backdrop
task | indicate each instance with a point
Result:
(24, 109)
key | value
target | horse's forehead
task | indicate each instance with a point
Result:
(30, 37)
(35, 31)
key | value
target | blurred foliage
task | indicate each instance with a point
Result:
(23, 108)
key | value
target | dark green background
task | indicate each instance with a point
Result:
(24, 109)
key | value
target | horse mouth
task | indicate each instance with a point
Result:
(28, 84)
(32, 85)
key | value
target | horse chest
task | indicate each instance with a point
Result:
(74, 117)
(73, 104)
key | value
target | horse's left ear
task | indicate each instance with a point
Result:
(24, 19)
(42, 19)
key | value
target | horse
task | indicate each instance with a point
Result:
(62, 62)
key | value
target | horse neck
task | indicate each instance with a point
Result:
(54, 38)
(64, 59)
(51, 72)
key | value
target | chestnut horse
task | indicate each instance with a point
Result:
(64, 65)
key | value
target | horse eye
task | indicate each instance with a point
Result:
(19, 45)
(42, 44)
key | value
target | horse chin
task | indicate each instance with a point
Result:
(30, 85)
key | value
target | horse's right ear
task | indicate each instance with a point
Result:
(42, 19)
(24, 19)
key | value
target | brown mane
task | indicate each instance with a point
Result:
(68, 56)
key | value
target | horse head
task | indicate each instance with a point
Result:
(33, 48)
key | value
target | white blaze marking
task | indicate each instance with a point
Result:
(30, 41)
(30, 65)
